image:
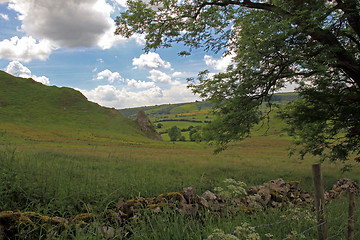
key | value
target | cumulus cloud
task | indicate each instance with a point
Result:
(110, 76)
(17, 69)
(139, 93)
(158, 76)
(218, 64)
(140, 84)
(122, 3)
(110, 96)
(150, 60)
(178, 74)
(4, 16)
(25, 49)
(178, 93)
(69, 23)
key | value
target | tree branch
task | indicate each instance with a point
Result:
(351, 13)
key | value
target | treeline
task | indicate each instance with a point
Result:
(194, 135)
(181, 129)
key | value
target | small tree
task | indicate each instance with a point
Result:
(174, 133)
(195, 135)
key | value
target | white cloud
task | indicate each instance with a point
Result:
(4, 16)
(125, 97)
(44, 80)
(25, 49)
(110, 76)
(158, 76)
(69, 23)
(139, 38)
(178, 74)
(140, 84)
(178, 93)
(289, 87)
(139, 93)
(150, 60)
(110, 96)
(122, 3)
(17, 69)
(218, 64)
(108, 39)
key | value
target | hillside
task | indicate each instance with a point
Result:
(33, 112)
(193, 107)
(167, 109)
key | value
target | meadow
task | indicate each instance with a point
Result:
(67, 180)
(56, 166)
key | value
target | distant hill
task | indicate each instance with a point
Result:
(192, 107)
(31, 111)
(166, 109)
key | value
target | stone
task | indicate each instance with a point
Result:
(189, 194)
(209, 196)
(203, 202)
(157, 210)
(108, 232)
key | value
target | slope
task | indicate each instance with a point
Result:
(193, 107)
(31, 111)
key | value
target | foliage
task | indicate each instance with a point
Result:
(195, 134)
(174, 133)
(233, 189)
(245, 231)
(328, 120)
(314, 44)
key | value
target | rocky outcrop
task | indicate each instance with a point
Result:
(146, 126)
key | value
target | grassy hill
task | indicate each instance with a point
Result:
(167, 109)
(193, 107)
(194, 114)
(33, 112)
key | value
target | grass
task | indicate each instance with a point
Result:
(70, 176)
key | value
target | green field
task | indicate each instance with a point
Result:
(62, 155)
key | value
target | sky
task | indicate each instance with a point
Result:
(70, 43)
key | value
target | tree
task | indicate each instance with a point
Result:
(313, 43)
(195, 135)
(174, 133)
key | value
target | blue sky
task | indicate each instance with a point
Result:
(71, 43)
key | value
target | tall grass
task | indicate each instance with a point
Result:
(68, 178)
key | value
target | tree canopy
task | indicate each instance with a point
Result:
(174, 133)
(313, 43)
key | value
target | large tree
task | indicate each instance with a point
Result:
(313, 43)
